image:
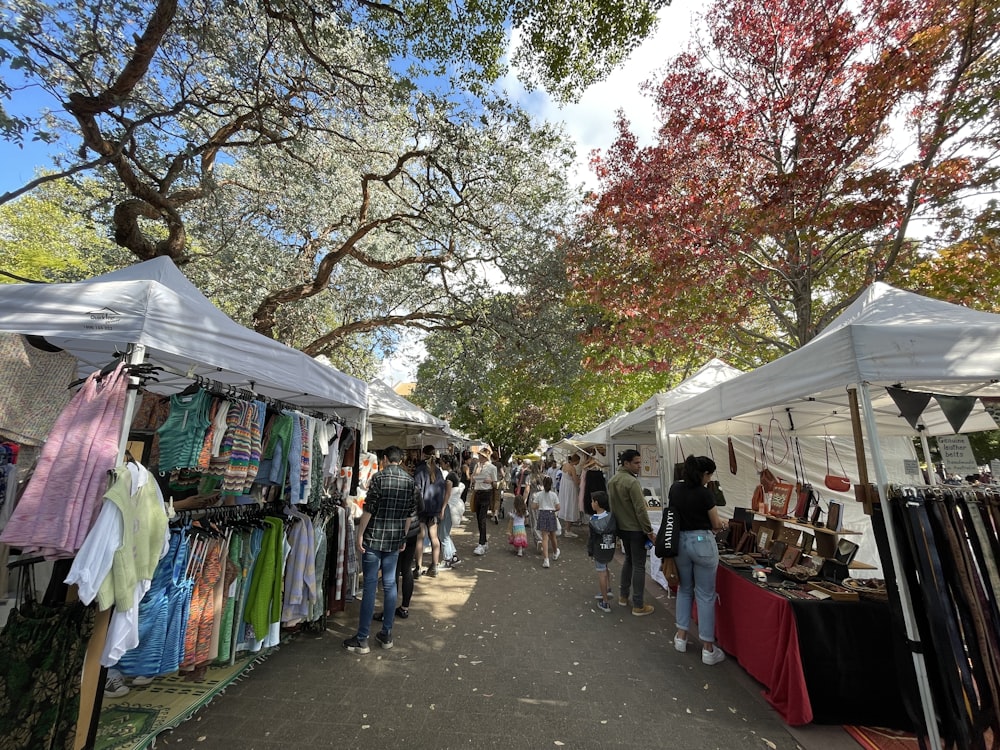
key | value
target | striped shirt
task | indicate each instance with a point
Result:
(391, 499)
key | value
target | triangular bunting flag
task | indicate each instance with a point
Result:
(992, 406)
(911, 404)
(956, 409)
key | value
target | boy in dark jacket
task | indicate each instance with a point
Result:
(601, 543)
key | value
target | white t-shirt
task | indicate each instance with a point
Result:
(545, 500)
(485, 476)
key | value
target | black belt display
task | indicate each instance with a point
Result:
(949, 543)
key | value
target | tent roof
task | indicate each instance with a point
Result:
(385, 406)
(154, 304)
(886, 337)
(642, 420)
(600, 435)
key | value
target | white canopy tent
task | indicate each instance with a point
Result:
(643, 427)
(393, 420)
(887, 337)
(642, 423)
(154, 306)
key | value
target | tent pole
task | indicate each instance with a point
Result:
(136, 356)
(931, 474)
(912, 635)
(663, 450)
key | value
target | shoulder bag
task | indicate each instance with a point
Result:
(668, 536)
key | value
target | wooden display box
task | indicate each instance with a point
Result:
(837, 593)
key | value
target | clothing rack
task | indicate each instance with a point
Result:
(219, 513)
(228, 390)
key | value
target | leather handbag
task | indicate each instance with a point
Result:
(716, 489)
(670, 573)
(668, 536)
(835, 482)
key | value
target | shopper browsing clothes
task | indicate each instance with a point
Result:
(698, 557)
(390, 504)
(484, 479)
(634, 527)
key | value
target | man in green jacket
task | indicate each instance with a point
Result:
(629, 509)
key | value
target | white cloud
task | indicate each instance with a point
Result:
(590, 121)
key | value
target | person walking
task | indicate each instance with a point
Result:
(390, 503)
(546, 502)
(634, 528)
(698, 554)
(517, 535)
(404, 567)
(452, 486)
(484, 479)
(430, 481)
(601, 544)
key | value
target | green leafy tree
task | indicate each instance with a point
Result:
(50, 235)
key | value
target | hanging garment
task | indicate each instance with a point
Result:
(63, 497)
(42, 649)
(183, 434)
(264, 601)
(154, 612)
(300, 571)
(201, 611)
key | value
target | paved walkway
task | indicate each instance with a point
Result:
(500, 653)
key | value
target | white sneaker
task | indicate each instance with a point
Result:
(712, 657)
(545, 563)
(555, 555)
(479, 550)
(680, 644)
(520, 553)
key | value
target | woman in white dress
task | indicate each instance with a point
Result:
(569, 503)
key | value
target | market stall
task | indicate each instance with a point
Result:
(147, 329)
(895, 363)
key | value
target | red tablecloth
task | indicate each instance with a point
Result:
(757, 627)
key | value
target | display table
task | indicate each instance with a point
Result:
(826, 662)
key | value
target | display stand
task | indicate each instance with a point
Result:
(826, 540)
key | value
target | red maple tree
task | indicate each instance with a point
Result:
(799, 142)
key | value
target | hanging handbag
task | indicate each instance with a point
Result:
(670, 573)
(767, 478)
(679, 465)
(713, 486)
(803, 488)
(668, 536)
(835, 482)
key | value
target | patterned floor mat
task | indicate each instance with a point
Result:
(133, 721)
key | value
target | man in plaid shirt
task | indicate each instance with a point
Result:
(390, 503)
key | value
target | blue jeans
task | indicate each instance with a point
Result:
(697, 562)
(371, 561)
(448, 550)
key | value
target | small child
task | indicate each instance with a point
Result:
(601, 543)
(516, 534)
